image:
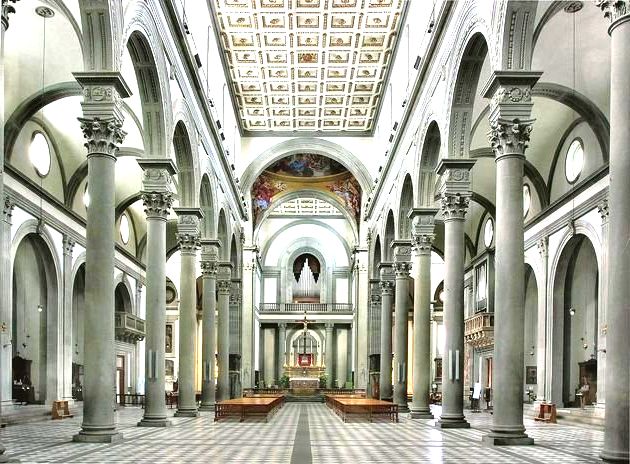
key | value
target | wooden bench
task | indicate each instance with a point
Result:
(345, 405)
(60, 410)
(250, 406)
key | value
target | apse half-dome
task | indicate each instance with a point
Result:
(305, 171)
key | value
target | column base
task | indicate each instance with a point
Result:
(496, 439)
(452, 423)
(615, 456)
(97, 437)
(206, 407)
(403, 408)
(416, 412)
(157, 422)
(187, 413)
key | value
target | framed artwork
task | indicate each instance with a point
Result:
(169, 367)
(530, 375)
(169, 339)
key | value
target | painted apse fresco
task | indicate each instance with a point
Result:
(305, 172)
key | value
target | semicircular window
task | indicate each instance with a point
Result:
(574, 161)
(488, 233)
(527, 199)
(124, 228)
(39, 154)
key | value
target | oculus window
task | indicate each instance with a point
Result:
(124, 229)
(574, 161)
(488, 233)
(39, 154)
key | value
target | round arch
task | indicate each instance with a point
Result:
(123, 294)
(389, 234)
(294, 250)
(429, 158)
(309, 194)
(222, 234)
(206, 202)
(405, 204)
(307, 145)
(183, 144)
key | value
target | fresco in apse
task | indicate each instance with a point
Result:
(305, 172)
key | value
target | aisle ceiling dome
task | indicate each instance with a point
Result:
(307, 65)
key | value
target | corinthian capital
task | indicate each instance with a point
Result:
(103, 136)
(209, 268)
(509, 137)
(387, 287)
(402, 269)
(422, 243)
(454, 206)
(224, 287)
(157, 204)
(7, 209)
(614, 9)
(7, 9)
(188, 243)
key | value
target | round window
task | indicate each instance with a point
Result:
(488, 233)
(39, 154)
(527, 199)
(124, 229)
(574, 161)
(86, 196)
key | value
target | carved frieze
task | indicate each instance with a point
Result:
(603, 210)
(7, 209)
(68, 245)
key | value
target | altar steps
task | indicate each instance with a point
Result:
(316, 398)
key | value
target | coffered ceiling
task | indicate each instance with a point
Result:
(307, 65)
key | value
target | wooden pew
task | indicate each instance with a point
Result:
(345, 405)
(263, 405)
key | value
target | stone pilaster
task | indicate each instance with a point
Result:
(157, 199)
(510, 124)
(422, 231)
(602, 328)
(360, 323)
(65, 387)
(387, 299)
(402, 267)
(209, 258)
(617, 435)
(188, 238)
(544, 352)
(250, 262)
(224, 284)
(330, 354)
(454, 200)
(281, 356)
(101, 125)
(6, 313)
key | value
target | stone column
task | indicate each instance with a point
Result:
(329, 360)
(102, 128)
(157, 199)
(209, 257)
(402, 266)
(188, 238)
(423, 224)
(617, 439)
(224, 283)
(387, 294)
(66, 380)
(510, 124)
(5, 239)
(454, 198)
(250, 259)
(282, 351)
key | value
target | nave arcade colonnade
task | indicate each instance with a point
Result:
(155, 245)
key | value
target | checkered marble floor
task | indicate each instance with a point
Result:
(331, 441)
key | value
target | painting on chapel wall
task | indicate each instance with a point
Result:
(305, 172)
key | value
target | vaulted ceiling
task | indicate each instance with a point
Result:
(307, 65)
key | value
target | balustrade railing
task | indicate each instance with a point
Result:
(308, 307)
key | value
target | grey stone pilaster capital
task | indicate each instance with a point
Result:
(330, 326)
(157, 205)
(616, 11)
(387, 288)
(102, 92)
(103, 136)
(7, 209)
(543, 247)
(139, 286)
(7, 9)
(225, 272)
(68, 245)
(386, 271)
(157, 174)
(282, 325)
(402, 250)
(454, 188)
(422, 229)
